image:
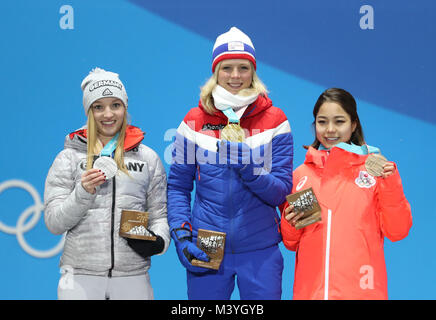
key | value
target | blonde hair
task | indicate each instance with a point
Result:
(95, 147)
(206, 97)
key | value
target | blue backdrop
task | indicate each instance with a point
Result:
(381, 51)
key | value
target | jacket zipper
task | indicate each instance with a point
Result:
(327, 255)
(112, 227)
(231, 208)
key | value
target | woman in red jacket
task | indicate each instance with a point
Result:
(341, 256)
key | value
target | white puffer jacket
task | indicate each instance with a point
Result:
(91, 221)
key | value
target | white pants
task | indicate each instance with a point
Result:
(87, 287)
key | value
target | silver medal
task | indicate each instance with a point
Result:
(107, 165)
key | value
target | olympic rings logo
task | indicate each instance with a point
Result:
(21, 226)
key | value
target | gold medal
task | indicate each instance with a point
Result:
(233, 132)
(374, 164)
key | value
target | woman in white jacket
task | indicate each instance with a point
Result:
(85, 201)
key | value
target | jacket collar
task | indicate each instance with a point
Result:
(338, 156)
(353, 148)
(78, 138)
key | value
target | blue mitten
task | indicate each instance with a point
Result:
(187, 251)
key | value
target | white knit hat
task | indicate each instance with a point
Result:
(100, 83)
(234, 44)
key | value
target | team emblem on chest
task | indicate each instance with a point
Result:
(365, 180)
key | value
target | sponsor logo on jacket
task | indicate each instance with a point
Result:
(209, 126)
(131, 166)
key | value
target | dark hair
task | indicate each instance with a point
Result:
(347, 102)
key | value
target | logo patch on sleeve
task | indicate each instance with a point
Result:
(301, 183)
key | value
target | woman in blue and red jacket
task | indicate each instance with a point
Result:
(238, 184)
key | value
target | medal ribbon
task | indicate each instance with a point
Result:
(231, 114)
(351, 147)
(110, 147)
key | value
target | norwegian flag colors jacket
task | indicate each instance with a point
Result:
(240, 203)
(342, 256)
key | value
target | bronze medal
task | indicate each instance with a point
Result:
(233, 132)
(374, 164)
